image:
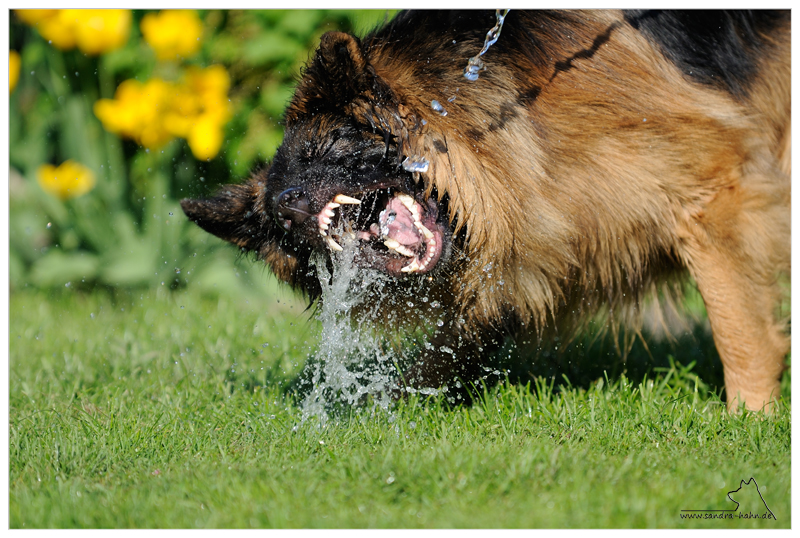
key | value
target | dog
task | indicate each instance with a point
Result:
(526, 170)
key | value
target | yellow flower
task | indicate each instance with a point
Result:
(69, 180)
(58, 30)
(152, 113)
(205, 138)
(172, 33)
(93, 31)
(211, 86)
(213, 80)
(13, 69)
(137, 111)
(100, 30)
(33, 16)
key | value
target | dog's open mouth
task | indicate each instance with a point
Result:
(395, 232)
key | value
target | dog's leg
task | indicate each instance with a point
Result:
(736, 248)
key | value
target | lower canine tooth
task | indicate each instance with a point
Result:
(410, 268)
(342, 199)
(333, 244)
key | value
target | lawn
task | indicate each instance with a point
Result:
(164, 408)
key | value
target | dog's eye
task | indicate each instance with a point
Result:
(370, 159)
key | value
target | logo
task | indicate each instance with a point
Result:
(750, 504)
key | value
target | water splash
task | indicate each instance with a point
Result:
(475, 64)
(354, 363)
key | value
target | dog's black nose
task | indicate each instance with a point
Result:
(291, 207)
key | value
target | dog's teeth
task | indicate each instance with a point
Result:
(406, 200)
(411, 267)
(333, 244)
(397, 247)
(329, 213)
(325, 220)
(410, 204)
(426, 232)
(342, 199)
(333, 205)
(391, 243)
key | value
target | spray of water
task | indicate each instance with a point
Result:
(475, 64)
(356, 361)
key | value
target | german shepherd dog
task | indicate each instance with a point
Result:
(596, 154)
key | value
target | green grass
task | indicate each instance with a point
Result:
(160, 409)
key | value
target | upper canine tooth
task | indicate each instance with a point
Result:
(333, 244)
(407, 201)
(342, 199)
(426, 232)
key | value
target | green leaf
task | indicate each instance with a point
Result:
(133, 261)
(57, 268)
(271, 47)
(275, 97)
(301, 22)
(131, 265)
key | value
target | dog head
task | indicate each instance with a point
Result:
(341, 174)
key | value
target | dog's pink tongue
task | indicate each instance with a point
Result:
(397, 223)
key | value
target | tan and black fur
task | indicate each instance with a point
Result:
(598, 154)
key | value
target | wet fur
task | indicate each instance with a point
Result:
(597, 155)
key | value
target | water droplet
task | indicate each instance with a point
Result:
(49, 225)
(91, 315)
(439, 323)
(415, 164)
(68, 284)
(437, 107)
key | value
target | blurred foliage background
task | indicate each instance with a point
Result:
(115, 115)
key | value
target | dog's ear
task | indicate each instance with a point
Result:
(336, 76)
(234, 214)
(237, 213)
